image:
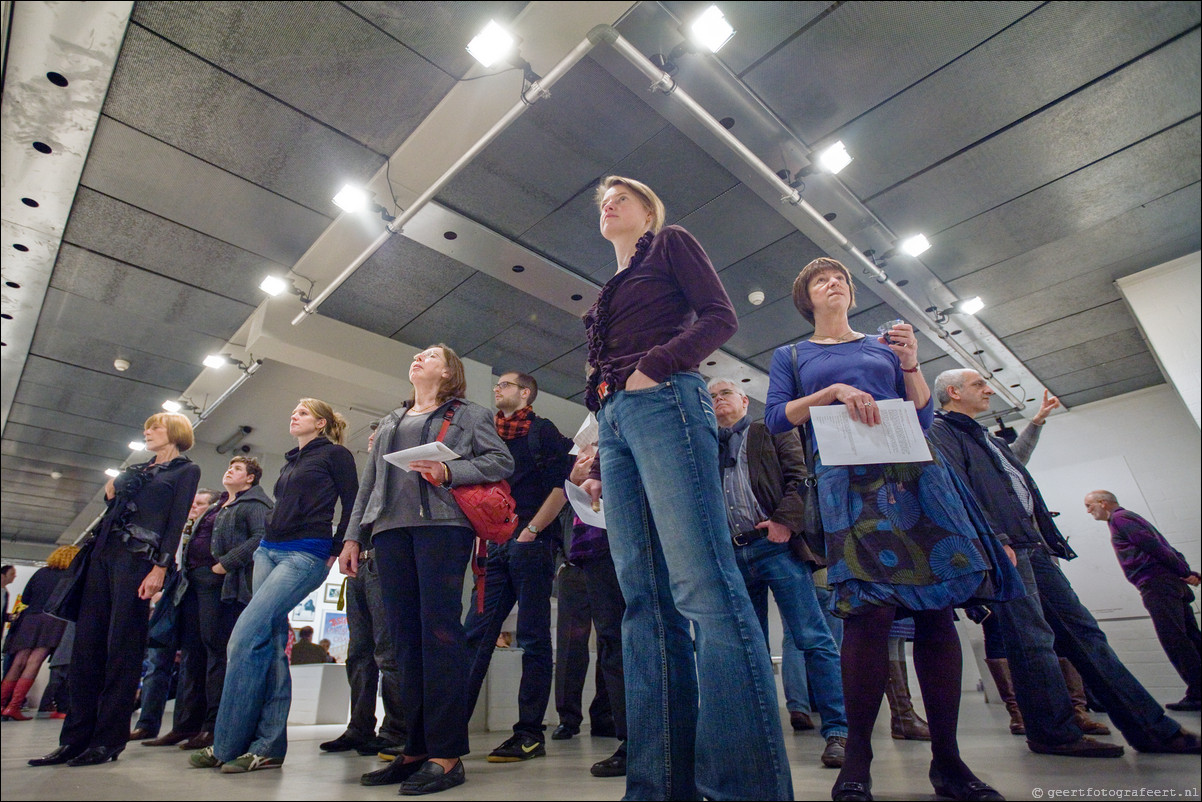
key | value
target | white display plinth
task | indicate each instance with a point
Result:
(320, 694)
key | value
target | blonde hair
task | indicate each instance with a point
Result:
(179, 428)
(801, 285)
(644, 193)
(335, 427)
(60, 559)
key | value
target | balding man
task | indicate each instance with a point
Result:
(1162, 576)
(1051, 611)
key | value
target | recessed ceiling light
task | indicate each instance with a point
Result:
(121, 364)
(112, 472)
(834, 158)
(351, 199)
(491, 45)
(711, 30)
(915, 245)
(215, 361)
(56, 475)
(970, 306)
(273, 285)
(755, 297)
(42, 147)
(172, 406)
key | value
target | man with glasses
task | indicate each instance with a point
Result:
(522, 571)
(761, 476)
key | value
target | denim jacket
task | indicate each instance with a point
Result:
(472, 433)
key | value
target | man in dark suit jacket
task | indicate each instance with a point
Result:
(761, 476)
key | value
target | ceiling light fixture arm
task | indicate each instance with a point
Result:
(247, 372)
(538, 90)
(887, 288)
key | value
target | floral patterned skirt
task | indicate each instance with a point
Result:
(899, 535)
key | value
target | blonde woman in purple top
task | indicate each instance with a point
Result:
(702, 715)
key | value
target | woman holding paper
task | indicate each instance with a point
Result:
(421, 542)
(899, 541)
(293, 559)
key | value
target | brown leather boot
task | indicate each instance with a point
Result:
(904, 722)
(1076, 692)
(1000, 669)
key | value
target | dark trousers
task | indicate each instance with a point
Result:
(522, 574)
(1169, 602)
(608, 607)
(160, 680)
(573, 626)
(55, 697)
(421, 582)
(371, 653)
(205, 624)
(110, 639)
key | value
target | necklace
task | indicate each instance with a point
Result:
(850, 334)
(417, 411)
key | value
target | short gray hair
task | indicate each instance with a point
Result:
(1104, 496)
(719, 380)
(949, 378)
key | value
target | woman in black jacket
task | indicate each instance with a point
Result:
(147, 507)
(34, 635)
(298, 547)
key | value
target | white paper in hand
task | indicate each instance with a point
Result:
(436, 451)
(843, 441)
(582, 505)
(587, 434)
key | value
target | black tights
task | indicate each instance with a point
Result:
(937, 661)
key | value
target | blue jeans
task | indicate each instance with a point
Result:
(1138, 716)
(258, 687)
(707, 726)
(766, 565)
(157, 669)
(522, 574)
(793, 660)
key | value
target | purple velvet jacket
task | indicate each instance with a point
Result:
(1144, 554)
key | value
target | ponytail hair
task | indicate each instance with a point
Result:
(335, 428)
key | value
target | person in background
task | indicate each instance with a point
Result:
(291, 561)
(136, 541)
(35, 635)
(1163, 578)
(701, 712)
(422, 542)
(305, 651)
(160, 668)
(7, 574)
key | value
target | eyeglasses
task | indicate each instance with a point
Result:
(503, 385)
(724, 394)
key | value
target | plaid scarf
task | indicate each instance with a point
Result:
(516, 426)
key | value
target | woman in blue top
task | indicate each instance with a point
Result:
(899, 540)
(293, 559)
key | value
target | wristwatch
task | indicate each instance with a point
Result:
(532, 528)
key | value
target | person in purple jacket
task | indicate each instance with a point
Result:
(702, 717)
(1162, 576)
(900, 540)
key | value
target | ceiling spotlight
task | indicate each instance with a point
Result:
(915, 245)
(113, 472)
(969, 306)
(216, 361)
(137, 445)
(492, 44)
(56, 475)
(755, 297)
(274, 285)
(351, 199)
(121, 364)
(172, 406)
(711, 30)
(834, 158)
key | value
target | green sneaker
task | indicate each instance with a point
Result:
(204, 759)
(249, 762)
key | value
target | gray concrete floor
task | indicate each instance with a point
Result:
(899, 771)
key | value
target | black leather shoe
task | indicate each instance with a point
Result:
(141, 734)
(433, 778)
(848, 791)
(962, 788)
(60, 755)
(199, 741)
(343, 743)
(563, 732)
(1186, 705)
(374, 745)
(614, 766)
(1183, 743)
(95, 755)
(170, 739)
(395, 772)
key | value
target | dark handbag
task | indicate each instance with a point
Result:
(812, 534)
(164, 634)
(64, 602)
